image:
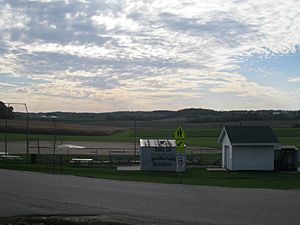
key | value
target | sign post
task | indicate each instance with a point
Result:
(180, 151)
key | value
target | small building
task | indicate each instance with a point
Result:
(286, 158)
(158, 155)
(248, 147)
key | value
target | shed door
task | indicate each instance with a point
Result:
(227, 160)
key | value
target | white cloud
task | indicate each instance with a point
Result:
(6, 85)
(111, 22)
(110, 50)
(12, 18)
(294, 80)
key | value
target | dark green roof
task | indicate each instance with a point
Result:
(250, 134)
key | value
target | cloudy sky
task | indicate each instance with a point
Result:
(110, 55)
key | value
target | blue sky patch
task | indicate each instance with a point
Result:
(273, 70)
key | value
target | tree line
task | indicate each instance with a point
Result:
(6, 112)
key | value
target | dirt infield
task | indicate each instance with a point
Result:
(83, 147)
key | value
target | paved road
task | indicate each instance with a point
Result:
(25, 193)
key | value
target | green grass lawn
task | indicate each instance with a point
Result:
(192, 134)
(290, 141)
(287, 132)
(194, 176)
(210, 142)
(44, 137)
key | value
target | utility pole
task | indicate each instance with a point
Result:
(27, 126)
(27, 132)
(38, 146)
(134, 140)
(54, 141)
(5, 135)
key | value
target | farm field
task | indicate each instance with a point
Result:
(59, 127)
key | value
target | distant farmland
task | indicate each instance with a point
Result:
(61, 128)
(197, 134)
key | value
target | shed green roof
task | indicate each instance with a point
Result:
(250, 134)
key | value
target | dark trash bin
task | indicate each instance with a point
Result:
(286, 158)
(33, 158)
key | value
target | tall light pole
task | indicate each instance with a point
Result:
(134, 140)
(55, 126)
(27, 125)
(5, 135)
(27, 131)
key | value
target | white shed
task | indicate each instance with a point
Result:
(248, 147)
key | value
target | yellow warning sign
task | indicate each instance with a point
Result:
(179, 134)
(180, 145)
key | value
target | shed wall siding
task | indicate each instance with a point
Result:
(225, 142)
(253, 158)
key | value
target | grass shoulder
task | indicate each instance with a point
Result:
(193, 176)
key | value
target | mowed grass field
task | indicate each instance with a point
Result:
(205, 137)
(193, 176)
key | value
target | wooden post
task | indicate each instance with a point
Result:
(38, 147)
(135, 140)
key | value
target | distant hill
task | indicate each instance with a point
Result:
(106, 124)
(191, 115)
